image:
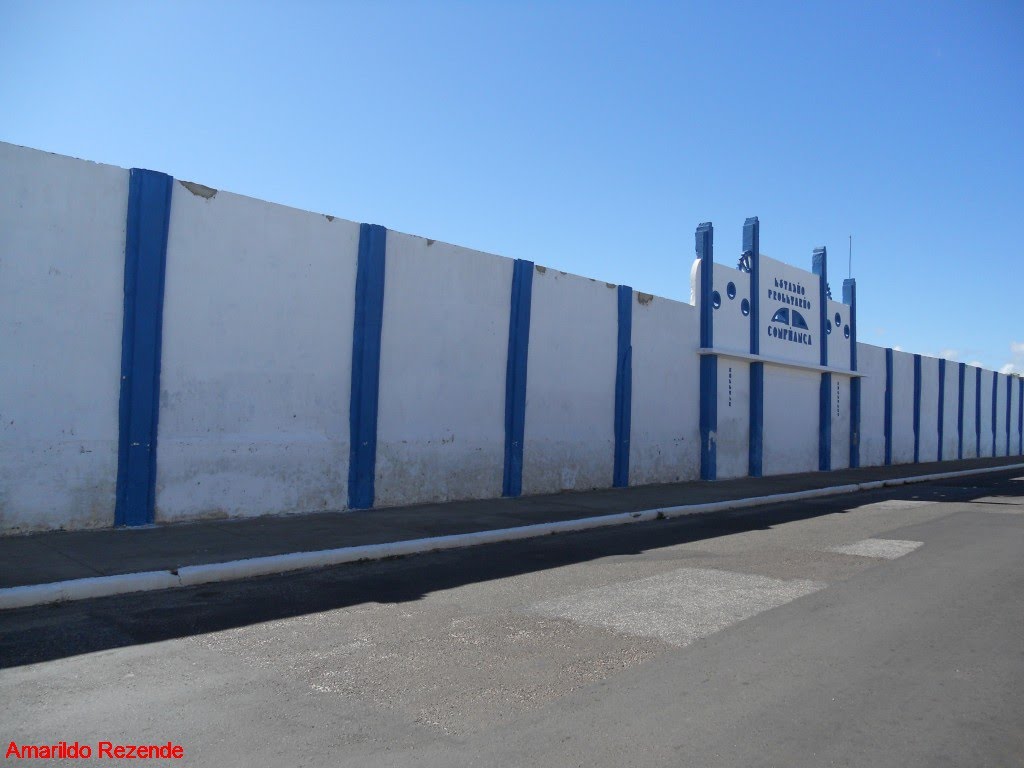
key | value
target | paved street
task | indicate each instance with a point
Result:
(881, 629)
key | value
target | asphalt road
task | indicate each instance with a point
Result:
(882, 629)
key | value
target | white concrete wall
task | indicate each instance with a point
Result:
(928, 448)
(986, 412)
(971, 449)
(256, 368)
(570, 390)
(871, 363)
(444, 347)
(790, 420)
(808, 283)
(1000, 449)
(839, 412)
(62, 230)
(950, 410)
(733, 434)
(903, 408)
(665, 436)
(731, 326)
(837, 336)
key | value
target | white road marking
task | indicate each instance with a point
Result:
(888, 549)
(678, 607)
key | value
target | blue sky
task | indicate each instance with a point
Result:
(590, 137)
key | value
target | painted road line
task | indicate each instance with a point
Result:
(103, 586)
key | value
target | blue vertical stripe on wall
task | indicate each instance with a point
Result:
(995, 397)
(1020, 416)
(819, 266)
(145, 261)
(850, 299)
(755, 446)
(623, 387)
(888, 406)
(942, 401)
(369, 317)
(960, 412)
(515, 376)
(708, 363)
(977, 411)
(1009, 400)
(917, 408)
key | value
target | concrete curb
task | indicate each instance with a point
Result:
(191, 575)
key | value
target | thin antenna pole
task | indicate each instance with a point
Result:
(849, 264)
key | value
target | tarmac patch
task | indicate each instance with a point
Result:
(888, 549)
(678, 607)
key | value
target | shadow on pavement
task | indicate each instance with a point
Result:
(46, 633)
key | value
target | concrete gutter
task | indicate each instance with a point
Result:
(192, 575)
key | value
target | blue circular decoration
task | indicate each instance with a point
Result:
(846, 331)
(828, 329)
(839, 320)
(745, 307)
(730, 290)
(716, 299)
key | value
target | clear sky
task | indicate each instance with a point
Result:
(590, 137)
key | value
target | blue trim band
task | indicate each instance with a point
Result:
(960, 413)
(888, 406)
(623, 387)
(1009, 401)
(942, 401)
(705, 246)
(515, 376)
(995, 410)
(917, 408)
(755, 444)
(369, 320)
(145, 262)
(850, 299)
(825, 423)
(977, 411)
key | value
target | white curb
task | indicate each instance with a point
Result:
(191, 575)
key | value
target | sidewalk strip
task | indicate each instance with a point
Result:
(192, 575)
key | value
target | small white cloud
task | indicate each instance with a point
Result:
(1017, 347)
(897, 348)
(1008, 368)
(950, 354)
(976, 364)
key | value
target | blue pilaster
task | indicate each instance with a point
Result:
(365, 391)
(977, 411)
(888, 405)
(1020, 416)
(1009, 402)
(145, 261)
(960, 412)
(819, 266)
(752, 250)
(995, 410)
(942, 402)
(850, 299)
(623, 387)
(917, 408)
(520, 307)
(708, 362)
